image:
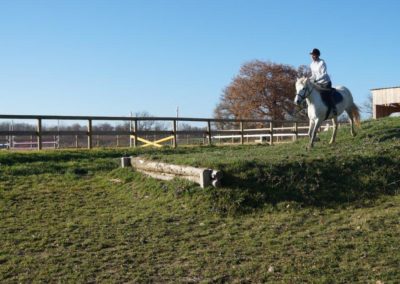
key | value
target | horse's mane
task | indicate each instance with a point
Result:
(302, 81)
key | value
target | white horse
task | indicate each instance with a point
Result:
(319, 112)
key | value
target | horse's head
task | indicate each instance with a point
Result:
(303, 90)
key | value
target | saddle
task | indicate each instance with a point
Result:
(330, 97)
(322, 89)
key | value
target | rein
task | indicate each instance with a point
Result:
(304, 96)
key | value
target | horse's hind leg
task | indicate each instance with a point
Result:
(351, 120)
(334, 124)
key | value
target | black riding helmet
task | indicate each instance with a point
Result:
(316, 52)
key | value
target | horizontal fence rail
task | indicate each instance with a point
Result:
(233, 129)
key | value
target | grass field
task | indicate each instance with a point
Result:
(283, 215)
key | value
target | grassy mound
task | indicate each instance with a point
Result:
(284, 214)
(354, 170)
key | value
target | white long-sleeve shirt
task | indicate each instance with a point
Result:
(319, 72)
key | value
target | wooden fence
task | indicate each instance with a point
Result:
(269, 130)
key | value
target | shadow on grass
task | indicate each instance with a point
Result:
(320, 183)
(13, 158)
(388, 134)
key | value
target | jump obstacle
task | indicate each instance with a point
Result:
(156, 143)
(202, 176)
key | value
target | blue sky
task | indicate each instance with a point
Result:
(115, 57)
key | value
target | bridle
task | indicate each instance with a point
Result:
(306, 92)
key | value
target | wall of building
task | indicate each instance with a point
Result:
(385, 101)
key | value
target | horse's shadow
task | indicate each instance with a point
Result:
(322, 183)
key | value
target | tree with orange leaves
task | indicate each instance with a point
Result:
(262, 90)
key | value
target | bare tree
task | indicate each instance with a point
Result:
(149, 124)
(104, 127)
(367, 106)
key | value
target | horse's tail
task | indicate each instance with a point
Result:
(355, 112)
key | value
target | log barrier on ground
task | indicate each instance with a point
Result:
(164, 171)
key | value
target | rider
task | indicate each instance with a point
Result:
(319, 75)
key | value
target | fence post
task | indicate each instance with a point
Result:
(39, 134)
(271, 129)
(296, 131)
(130, 133)
(175, 142)
(89, 134)
(241, 133)
(135, 128)
(209, 132)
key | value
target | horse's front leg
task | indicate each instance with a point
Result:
(314, 130)
(310, 127)
(334, 124)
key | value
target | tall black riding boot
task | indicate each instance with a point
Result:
(334, 110)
